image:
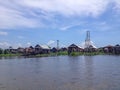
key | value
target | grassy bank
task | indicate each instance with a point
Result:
(86, 53)
(52, 54)
(72, 54)
(93, 53)
(57, 54)
(9, 55)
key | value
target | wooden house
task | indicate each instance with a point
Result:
(12, 50)
(63, 49)
(116, 49)
(42, 49)
(74, 48)
(38, 49)
(20, 50)
(54, 50)
(45, 49)
(28, 51)
(108, 49)
(91, 48)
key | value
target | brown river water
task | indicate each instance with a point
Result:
(101, 72)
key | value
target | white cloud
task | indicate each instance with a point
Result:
(4, 44)
(69, 26)
(16, 45)
(65, 28)
(33, 13)
(50, 42)
(63, 45)
(14, 18)
(3, 33)
(19, 45)
(117, 6)
(28, 44)
(82, 44)
(69, 7)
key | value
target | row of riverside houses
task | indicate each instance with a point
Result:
(38, 49)
(44, 49)
(107, 49)
(111, 49)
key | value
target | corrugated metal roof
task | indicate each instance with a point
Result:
(45, 47)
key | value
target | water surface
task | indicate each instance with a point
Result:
(60, 73)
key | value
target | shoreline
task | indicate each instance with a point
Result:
(57, 54)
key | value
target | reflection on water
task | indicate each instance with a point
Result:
(60, 73)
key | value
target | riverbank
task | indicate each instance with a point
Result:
(58, 54)
(9, 55)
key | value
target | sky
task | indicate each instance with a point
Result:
(30, 22)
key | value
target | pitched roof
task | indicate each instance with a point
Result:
(73, 45)
(37, 46)
(117, 45)
(109, 46)
(45, 47)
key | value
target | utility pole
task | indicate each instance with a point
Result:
(57, 45)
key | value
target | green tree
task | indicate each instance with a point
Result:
(1, 51)
(6, 51)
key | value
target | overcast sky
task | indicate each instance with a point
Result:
(30, 22)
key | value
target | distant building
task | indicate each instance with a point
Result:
(108, 49)
(12, 50)
(116, 49)
(54, 50)
(45, 49)
(20, 50)
(74, 48)
(91, 48)
(63, 49)
(29, 51)
(42, 49)
(38, 49)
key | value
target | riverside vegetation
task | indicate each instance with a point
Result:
(54, 54)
